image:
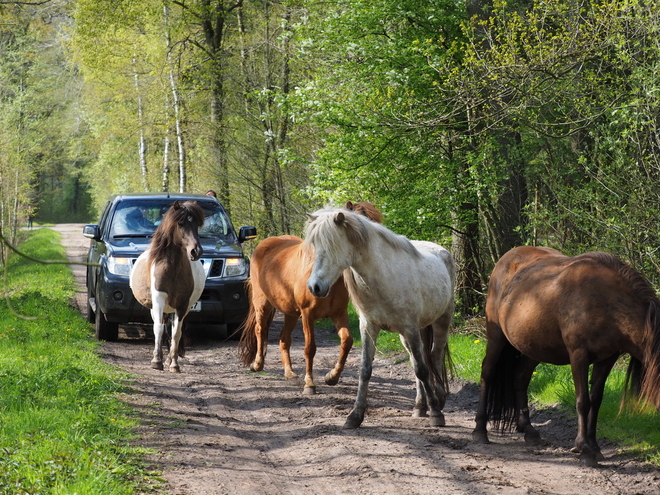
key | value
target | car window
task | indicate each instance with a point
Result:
(140, 218)
(136, 219)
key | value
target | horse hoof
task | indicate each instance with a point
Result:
(254, 367)
(309, 390)
(438, 420)
(588, 460)
(157, 365)
(353, 421)
(175, 369)
(480, 436)
(331, 380)
(532, 437)
(419, 413)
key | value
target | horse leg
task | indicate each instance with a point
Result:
(439, 370)
(157, 308)
(285, 345)
(177, 328)
(423, 373)
(310, 352)
(369, 334)
(524, 372)
(341, 324)
(580, 370)
(494, 347)
(421, 404)
(599, 374)
(264, 313)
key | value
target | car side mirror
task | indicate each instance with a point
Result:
(92, 232)
(247, 233)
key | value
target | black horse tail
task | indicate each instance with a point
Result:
(501, 404)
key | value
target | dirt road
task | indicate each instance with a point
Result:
(217, 428)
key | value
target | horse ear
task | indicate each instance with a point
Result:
(310, 217)
(349, 206)
(339, 219)
(176, 205)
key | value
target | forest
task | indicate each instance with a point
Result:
(478, 124)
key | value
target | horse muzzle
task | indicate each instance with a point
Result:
(318, 288)
(196, 253)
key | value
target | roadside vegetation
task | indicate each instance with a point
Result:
(63, 429)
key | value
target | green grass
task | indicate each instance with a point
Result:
(62, 428)
(637, 432)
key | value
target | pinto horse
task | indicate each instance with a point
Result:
(278, 275)
(582, 310)
(395, 284)
(168, 278)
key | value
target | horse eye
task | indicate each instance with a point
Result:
(190, 219)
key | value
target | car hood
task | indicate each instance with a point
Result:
(135, 247)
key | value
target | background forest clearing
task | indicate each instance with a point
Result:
(64, 429)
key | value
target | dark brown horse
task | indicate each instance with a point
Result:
(583, 310)
(168, 278)
(279, 270)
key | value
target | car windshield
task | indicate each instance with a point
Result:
(140, 218)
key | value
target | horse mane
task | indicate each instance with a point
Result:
(167, 232)
(641, 378)
(366, 209)
(324, 229)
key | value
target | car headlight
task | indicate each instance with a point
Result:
(234, 267)
(120, 266)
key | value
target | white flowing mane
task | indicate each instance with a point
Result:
(323, 231)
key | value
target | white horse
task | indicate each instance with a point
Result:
(168, 278)
(395, 284)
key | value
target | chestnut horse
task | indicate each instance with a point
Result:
(278, 273)
(168, 278)
(582, 310)
(395, 284)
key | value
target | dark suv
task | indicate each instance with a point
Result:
(124, 231)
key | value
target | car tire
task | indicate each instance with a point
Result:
(91, 317)
(104, 329)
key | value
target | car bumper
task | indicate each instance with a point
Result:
(223, 301)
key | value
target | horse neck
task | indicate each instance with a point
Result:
(170, 247)
(371, 265)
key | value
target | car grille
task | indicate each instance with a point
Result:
(215, 269)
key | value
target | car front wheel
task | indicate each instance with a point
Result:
(104, 329)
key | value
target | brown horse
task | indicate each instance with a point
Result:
(279, 270)
(583, 310)
(168, 278)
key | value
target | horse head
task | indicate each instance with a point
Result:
(333, 236)
(184, 219)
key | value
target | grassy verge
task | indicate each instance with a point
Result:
(62, 429)
(637, 432)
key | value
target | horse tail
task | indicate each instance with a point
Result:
(247, 345)
(644, 378)
(441, 376)
(501, 399)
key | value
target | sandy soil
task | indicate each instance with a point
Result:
(217, 428)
